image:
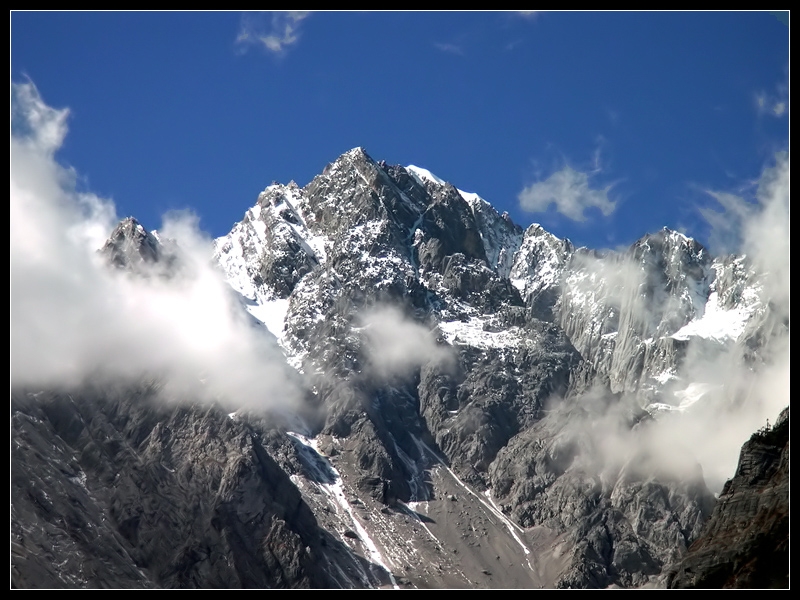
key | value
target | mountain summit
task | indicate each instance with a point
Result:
(481, 406)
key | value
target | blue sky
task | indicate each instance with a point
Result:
(600, 126)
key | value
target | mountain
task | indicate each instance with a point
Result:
(744, 544)
(478, 406)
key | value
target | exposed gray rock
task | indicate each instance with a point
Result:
(130, 247)
(114, 489)
(745, 544)
(623, 521)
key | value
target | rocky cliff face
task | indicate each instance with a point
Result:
(112, 489)
(463, 381)
(745, 543)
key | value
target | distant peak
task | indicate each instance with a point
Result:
(129, 225)
(537, 229)
(667, 240)
(357, 153)
(672, 232)
(130, 243)
(667, 233)
(353, 156)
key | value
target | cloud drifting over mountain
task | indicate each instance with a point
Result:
(397, 345)
(74, 319)
(727, 390)
(570, 192)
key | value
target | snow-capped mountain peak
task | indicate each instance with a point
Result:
(477, 405)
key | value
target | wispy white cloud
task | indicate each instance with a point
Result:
(767, 236)
(275, 31)
(761, 222)
(528, 14)
(771, 105)
(570, 192)
(726, 235)
(398, 345)
(449, 48)
(597, 155)
(775, 104)
(38, 126)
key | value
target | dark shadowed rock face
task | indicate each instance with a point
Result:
(745, 543)
(477, 464)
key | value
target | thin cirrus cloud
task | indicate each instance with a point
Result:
(275, 32)
(570, 192)
(774, 104)
(771, 105)
(449, 48)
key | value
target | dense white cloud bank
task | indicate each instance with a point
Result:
(74, 319)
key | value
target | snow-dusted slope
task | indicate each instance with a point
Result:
(272, 255)
(733, 300)
(268, 252)
(511, 306)
(501, 237)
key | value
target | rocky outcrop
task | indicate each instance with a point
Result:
(538, 327)
(539, 266)
(745, 543)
